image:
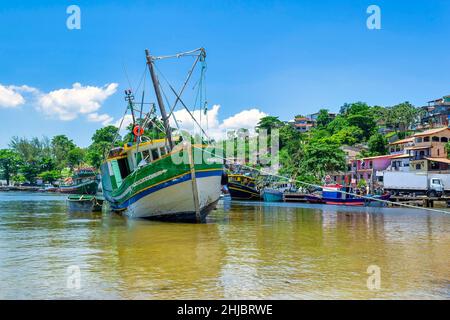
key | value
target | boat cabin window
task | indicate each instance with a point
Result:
(155, 154)
(146, 155)
(123, 167)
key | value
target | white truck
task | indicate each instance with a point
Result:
(431, 184)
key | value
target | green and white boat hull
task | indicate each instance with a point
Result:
(164, 190)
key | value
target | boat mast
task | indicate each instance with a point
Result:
(162, 109)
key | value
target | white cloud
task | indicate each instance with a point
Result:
(10, 97)
(68, 104)
(104, 118)
(246, 119)
(127, 120)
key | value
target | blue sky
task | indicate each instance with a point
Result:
(280, 57)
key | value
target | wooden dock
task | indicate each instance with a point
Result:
(395, 201)
(420, 201)
(294, 197)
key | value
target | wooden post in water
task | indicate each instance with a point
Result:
(188, 148)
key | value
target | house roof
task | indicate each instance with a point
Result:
(406, 140)
(430, 132)
(417, 148)
(442, 160)
(378, 157)
(400, 156)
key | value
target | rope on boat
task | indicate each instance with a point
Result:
(369, 198)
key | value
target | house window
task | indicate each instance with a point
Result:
(418, 140)
(370, 164)
(392, 149)
(435, 139)
(444, 139)
(418, 167)
(426, 139)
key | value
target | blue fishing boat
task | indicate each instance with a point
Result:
(336, 194)
(275, 192)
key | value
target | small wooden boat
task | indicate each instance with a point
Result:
(243, 187)
(85, 203)
(275, 192)
(272, 195)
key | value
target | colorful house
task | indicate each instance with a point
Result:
(303, 124)
(436, 113)
(401, 157)
(370, 169)
(428, 152)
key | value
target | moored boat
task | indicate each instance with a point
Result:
(85, 203)
(275, 192)
(164, 179)
(336, 194)
(243, 187)
(84, 181)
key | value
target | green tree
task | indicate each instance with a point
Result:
(19, 178)
(102, 140)
(75, 157)
(9, 164)
(106, 134)
(323, 118)
(348, 136)
(50, 176)
(268, 123)
(322, 157)
(30, 171)
(61, 146)
(401, 116)
(377, 144)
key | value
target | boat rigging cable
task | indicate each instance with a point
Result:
(343, 192)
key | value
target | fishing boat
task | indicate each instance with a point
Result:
(83, 181)
(169, 178)
(243, 187)
(85, 203)
(48, 188)
(275, 192)
(336, 194)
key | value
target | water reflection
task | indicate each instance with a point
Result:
(246, 250)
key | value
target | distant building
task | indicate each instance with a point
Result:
(351, 154)
(303, 124)
(436, 113)
(401, 158)
(314, 116)
(428, 152)
(370, 169)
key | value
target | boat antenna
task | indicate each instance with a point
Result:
(159, 99)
